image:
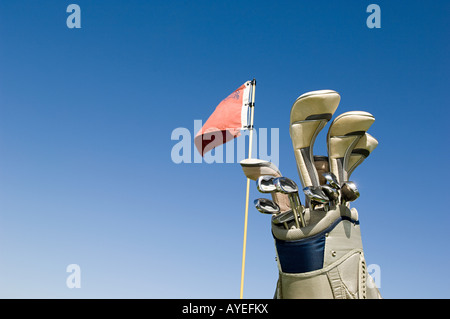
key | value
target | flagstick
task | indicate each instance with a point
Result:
(252, 111)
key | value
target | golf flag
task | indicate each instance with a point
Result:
(226, 122)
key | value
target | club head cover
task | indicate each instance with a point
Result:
(344, 133)
(254, 168)
(362, 150)
(309, 115)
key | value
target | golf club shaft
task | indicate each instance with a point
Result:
(300, 212)
(294, 209)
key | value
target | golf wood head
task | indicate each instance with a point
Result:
(285, 185)
(349, 191)
(344, 133)
(266, 206)
(362, 150)
(254, 168)
(265, 184)
(309, 115)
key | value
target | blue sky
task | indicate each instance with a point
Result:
(86, 117)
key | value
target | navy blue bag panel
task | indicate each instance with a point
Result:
(303, 255)
(298, 256)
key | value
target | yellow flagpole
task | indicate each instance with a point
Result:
(252, 111)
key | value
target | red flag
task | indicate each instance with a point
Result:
(225, 123)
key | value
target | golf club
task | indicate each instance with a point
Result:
(309, 115)
(283, 218)
(362, 150)
(349, 192)
(332, 180)
(316, 196)
(332, 194)
(254, 168)
(288, 186)
(264, 184)
(266, 206)
(344, 133)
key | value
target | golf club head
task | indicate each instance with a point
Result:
(265, 184)
(309, 115)
(332, 180)
(316, 194)
(266, 206)
(362, 150)
(285, 185)
(349, 191)
(344, 133)
(284, 217)
(332, 193)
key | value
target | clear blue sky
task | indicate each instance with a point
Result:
(86, 117)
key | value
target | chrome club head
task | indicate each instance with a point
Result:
(332, 180)
(316, 197)
(349, 191)
(266, 206)
(331, 192)
(316, 194)
(283, 218)
(265, 184)
(287, 186)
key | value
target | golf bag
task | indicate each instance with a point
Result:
(319, 250)
(323, 260)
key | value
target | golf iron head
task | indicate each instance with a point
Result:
(316, 196)
(266, 206)
(254, 168)
(332, 180)
(332, 193)
(265, 184)
(283, 218)
(287, 186)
